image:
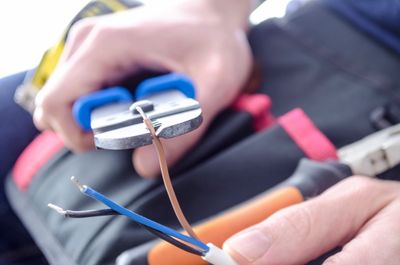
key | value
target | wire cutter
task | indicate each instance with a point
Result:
(111, 114)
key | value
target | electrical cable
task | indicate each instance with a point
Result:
(173, 237)
(165, 175)
(111, 212)
(175, 242)
(88, 191)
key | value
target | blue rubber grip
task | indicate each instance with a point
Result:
(83, 107)
(166, 82)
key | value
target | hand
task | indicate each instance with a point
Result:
(203, 39)
(360, 214)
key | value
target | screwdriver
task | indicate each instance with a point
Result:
(370, 156)
(310, 179)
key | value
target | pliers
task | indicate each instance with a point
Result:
(111, 114)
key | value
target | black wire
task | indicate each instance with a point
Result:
(173, 241)
(110, 212)
(90, 213)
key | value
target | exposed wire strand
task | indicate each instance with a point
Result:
(83, 214)
(173, 237)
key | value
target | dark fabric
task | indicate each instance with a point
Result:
(380, 19)
(17, 131)
(94, 239)
(311, 59)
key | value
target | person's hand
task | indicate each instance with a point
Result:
(360, 214)
(203, 39)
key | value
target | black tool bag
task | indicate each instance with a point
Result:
(312, 59)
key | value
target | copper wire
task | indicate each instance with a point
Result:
(165, 175)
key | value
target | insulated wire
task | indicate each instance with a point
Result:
(157, 229)
(166, 177)
(173, 241)
(138, 218)
(111, 212)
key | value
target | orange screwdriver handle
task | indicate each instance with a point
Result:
(226, 224)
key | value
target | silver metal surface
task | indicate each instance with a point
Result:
(374, 154)
(115, 127)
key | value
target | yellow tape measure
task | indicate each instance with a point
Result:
(35, 80)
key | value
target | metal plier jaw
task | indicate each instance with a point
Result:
(168, 102)
(373, 154)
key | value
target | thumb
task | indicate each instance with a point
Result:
(301, 233)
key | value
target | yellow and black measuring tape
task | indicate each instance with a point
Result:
(35, 79)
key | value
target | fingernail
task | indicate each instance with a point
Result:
(250, 245)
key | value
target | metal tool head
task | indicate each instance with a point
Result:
(373, 154)
(119, 126)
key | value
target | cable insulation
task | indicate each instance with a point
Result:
(111, 212)
(141, 219)
(166, 177)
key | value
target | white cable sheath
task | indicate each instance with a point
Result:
(217, 256)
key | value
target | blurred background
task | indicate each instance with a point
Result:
(29, 27)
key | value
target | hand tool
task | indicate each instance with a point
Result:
(374, 154)
(208, 252)
(369, 156)
(310, 179)
(167, 100)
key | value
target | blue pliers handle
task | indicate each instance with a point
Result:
(83, 107)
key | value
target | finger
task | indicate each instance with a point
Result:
(55, 116)
(83, 73)
(69, 132)
(76, 36)
(73, 137)
(377, 243)
(96, 63)
(39, 118)
(303, 232)
(145, 158)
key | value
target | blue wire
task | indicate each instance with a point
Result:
(141, 219)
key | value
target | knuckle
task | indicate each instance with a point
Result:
(361, 185)
(364, 183)
(80, 29)
(48, 105)
(106, 33)
(102, 31)
(365, 191)
(297, 220)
